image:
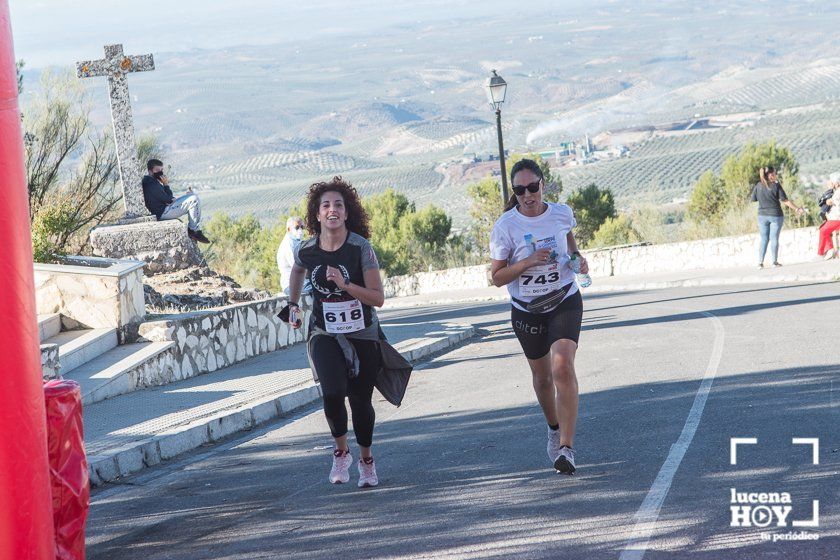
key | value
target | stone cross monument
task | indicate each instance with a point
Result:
(116, 65)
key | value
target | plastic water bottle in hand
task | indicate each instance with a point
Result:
(584, 280)
(294, 317)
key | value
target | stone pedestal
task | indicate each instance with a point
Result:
(91, 292)
(163, 246)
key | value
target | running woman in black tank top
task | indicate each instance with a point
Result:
(344, 273)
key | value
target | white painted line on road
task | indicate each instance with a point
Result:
(648, 512)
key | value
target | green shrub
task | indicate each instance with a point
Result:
(592, 207)
(740, 173)
(615, 231)
(406, 240)
(52, 223)
(708, 199)
(485, 208)
(245, 250)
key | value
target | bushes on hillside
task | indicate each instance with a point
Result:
(615, 231)
(406, 240)
(592, 206)
(51, 226)
(721, 204)
(708, 199)
(71, 172)
(486, 200)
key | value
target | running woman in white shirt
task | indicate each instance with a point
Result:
(530, 247)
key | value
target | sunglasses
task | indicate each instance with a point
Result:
(519, 190)
(298, 227)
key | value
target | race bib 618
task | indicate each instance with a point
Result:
(343, 316)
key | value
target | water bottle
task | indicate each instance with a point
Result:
(584, 280)
(294, 317)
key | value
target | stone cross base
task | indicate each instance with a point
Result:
(138, 220)
(163, 246)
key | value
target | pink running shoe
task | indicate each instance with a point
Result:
(367, 474)
(340, 473)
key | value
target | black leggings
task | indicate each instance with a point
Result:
(328, 360)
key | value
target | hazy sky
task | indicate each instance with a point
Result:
(61, 32)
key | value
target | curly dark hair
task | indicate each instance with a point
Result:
(357, 218)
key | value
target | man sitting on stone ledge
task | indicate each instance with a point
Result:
(162, 203)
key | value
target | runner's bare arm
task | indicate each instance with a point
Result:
(572, 245)
(296, 278)
(371, 293)
(503, 273)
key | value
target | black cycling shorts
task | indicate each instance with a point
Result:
(538, 331)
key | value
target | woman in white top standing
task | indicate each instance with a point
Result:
(826, 247)
(530, 247)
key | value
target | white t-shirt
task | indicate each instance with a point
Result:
(834, 209)
(286, 258)
(515, 237)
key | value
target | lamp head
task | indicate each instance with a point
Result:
(496, 88)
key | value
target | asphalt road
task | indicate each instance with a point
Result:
(666, 378)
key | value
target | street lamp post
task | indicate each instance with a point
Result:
(496, 88)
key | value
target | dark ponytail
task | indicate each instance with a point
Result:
(511, 203)
(764, 172)
(531, 166)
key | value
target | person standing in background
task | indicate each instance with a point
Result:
(826, 248)
(286, 251)
(770, 195)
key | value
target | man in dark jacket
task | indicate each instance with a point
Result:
(162, 203)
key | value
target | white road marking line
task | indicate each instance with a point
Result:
(648, 512)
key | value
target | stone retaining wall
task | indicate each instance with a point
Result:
(50, 365)
(438, 281)
(795, 246)
(91, 292)
(209, 340)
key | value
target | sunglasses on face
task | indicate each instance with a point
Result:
(298, 227)
(519, 190)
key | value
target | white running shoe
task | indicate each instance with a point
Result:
(367, 474)
(565, 462)
(340, 472)
(553, 444)
(830, 254)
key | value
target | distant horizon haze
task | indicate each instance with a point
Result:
(58, 33)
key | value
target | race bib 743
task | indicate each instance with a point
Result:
(539, 280)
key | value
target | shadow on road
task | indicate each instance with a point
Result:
(476, 484)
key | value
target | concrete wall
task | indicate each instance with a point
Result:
(209, 340)
(437, 281)
(91, 292)
(795, 245)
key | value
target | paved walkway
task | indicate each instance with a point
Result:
(121, 433)
(817, 271)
